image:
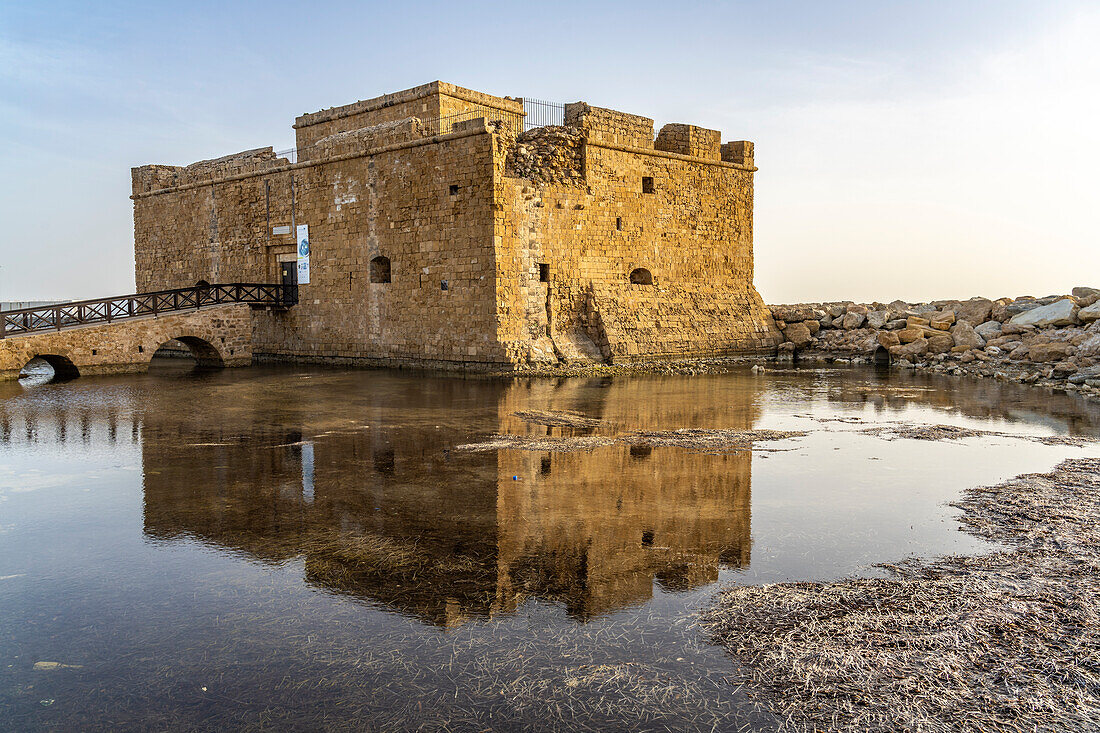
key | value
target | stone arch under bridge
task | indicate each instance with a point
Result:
(217, 336)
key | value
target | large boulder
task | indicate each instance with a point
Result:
(852, 320)
(1050, 351)
(1091, 313)
(877, 319)
(792, 313)
(974, 311)
(1086, 296)
(966, 336)
(1090, 347)
(942, 321)
(940, 344)
(887, 339)
(908, 351)
(988, 330)
(1059, 313)
(910, 334)
(798, 334)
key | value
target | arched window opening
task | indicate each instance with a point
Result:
(380, 269)
(641, 276)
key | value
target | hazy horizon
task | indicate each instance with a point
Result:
(918, 151)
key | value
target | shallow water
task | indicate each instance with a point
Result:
(306, 549)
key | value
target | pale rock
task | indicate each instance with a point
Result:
(916, 321)
(1059, 313)
(876, 319)
(852, 320)
(1090, 347)
(860, 309)
(988, 330)
(1090, 313)
(967, 336)
(896, 324)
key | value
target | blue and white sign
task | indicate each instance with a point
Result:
(303, 254)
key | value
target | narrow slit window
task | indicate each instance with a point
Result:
(618, 223)
(454, 190)
(444, 285)
(647, 185)
(544, 272)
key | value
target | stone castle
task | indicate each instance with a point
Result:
(446, 230)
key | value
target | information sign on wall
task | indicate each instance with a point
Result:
(303, 254)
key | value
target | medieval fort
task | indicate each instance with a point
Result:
(448, 229)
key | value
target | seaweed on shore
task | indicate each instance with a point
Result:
(1003, 642)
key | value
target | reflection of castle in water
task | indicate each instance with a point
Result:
(391, 515)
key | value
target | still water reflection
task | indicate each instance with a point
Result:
(309, 549)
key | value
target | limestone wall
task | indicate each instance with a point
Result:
(503, 252)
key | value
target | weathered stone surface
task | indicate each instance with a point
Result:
(966, 336)
(1059, 313)
(988, 330)
(896, 324)
(503, 250)
(1090, 347)
(876, 319)
(974, 311)
(852, 320)
(888, 339)
(798, 334)
(813, 325)
(1090, 313)
(1083, 293)
(1053, 351)
(940, 344)
(910, 350)
(218, 335)
(856, 308)
(942, 321)
(916, 321)
(910, 334)
(793, 313)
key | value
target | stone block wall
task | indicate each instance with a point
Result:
(503, 251)
(690, 140)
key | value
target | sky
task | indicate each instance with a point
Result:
(913, 150)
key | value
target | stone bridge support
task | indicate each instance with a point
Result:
(217, 336)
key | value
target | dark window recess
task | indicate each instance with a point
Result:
(141, 349)
(444, 285)
(618, 223)
(641, 276)
(544, 272)
(647, 538)
(95, 352)
(380, 269)
(545, 467)
(647, 184)
(454, 190)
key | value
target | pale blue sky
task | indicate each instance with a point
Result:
(915, 150)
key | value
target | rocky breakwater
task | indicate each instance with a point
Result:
(1052, 341)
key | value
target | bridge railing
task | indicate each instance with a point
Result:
(139, 305)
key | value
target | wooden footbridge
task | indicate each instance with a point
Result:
(121, 334)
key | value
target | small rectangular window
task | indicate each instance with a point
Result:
(454, 190)
(444, 285)
(544, 272)
(618, 223)
(647, 184)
